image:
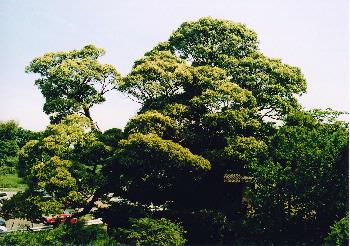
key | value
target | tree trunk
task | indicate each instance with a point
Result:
(87, 208)
(88, 115)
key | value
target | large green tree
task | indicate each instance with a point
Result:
(206, 131)
(302, 186)
(210, 90)
(234, 48)
(12, 138)
(62, 168)
(73, 81)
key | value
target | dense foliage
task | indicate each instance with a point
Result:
(220, 148)
(12, 138)
(339, 233)
(76, 234)
(73, 81)
(146, 231)
(62, 168)
(302, 187)
(210, 90)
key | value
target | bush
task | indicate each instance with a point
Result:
(7, 170)
(19, 238)
(205, 226)
(76, 234)
(87, 235)
(147, 231)
(339, 233)
(202, 227)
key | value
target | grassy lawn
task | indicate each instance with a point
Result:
(12, 182)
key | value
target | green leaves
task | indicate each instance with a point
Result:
(160, 74)
(207, 124)
(234, 48)
(42, 64)
(158, 153)
(77, 234)
(244, 151)
(153, 168)
(152, 122)
(73, 81)
(12, 138)
(273, 84)
(304, 184)
(65, 164)
(208, 40)
(147, 231)
(339, 232)
(54, 175)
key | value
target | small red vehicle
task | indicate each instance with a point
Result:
(61, 218)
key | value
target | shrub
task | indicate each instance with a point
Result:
(7, 170)
(76, 234)
(147, 231)
(87, 235)
(339, 233)
(205, 226)
(202, 227)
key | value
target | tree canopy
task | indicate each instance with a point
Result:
(62, 169)
(302, 186)
(234, 48)
(12, 138)
(72, 82)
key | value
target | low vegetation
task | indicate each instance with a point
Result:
(76, 234)
(12, 182)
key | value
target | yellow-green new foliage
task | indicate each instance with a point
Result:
(152, 122)
(147, 231)
(173, 154)
(159, 74)
(59, 168)
(73, 81)
(153, 168)
(234, 48)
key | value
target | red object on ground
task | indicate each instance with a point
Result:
(61, 218)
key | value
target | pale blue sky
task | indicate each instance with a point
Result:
(310, 34)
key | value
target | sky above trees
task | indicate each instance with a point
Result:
(312, 35)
